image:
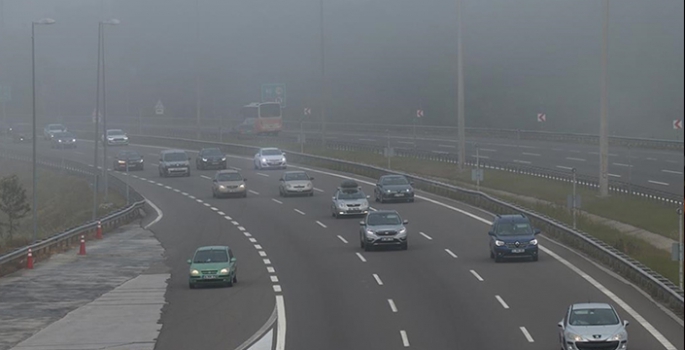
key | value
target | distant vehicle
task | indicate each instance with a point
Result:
(18, 134)
(130, 156)
(512, 236)
(393, 188)
(174, 162)
(270, 158)
(296, 183)
(265, 118)
(383, 228)
(228, 183)
(247, 127)
(18, 137)
(213, 265)
(592, 326)
(349, 199)
(50, 129)
(210, 158)
(116, 137)
(63, 140)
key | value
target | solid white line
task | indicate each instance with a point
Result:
(342, 239)
(221, 213)
(274, 279)
(270, 269)
(318, 189)
(277, 288)
(450, 253)
(378, 279)
(262, 174)
(405, 339)
(360, 257)
(262, 253)
(527, 335)
(321, 224)
(576, 159)
(487, 150)
(658, 183)
(253, 192)
(257, 246)
(447, 146)
(393, 307)
(501, 301)
(532, 154)
(475, 274)
(266, 261)
(623, 165)
(299, 211)
(521, 161)
(564, 167)
(280, 332)
(673, 172)
(205, 177)
(253, 240)
(276, 200)
(614, 175)
(427, 236)
(160, 214)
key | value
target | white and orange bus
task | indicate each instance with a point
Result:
(261, 118)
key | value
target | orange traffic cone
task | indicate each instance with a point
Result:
(98, 232)
(29, 261)
(82, 249)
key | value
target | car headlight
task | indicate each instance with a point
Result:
(408, 189)
(204, 159)
(370, 233)
(223, 159)
(309, 184)
(499, 243)
(403, 231)
(341, 205)
(125, 138)
(194, 272)
(73, 140)
(121, 162)
(140, 160)
(59, 140)
(263, 160)
(283, 159)
(574, 337)
(388, 191)
(242, 186)
(620, 336)
(223, 272)
(534, 242)
(222, 187)
(288, 185)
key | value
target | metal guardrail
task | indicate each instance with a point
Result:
(16, 259)
(654, 284)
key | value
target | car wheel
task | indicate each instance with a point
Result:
(311, 194)
(245, 195)
(498, 259)
(411, 200)
(535, 258)
(235, 277)
(188, 174)
(361, 243)
(229, 283)
(381, 198)
(492, 256)
(405, 245)
(142, 168)
(375, 197)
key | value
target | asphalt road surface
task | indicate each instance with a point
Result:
(442, 293)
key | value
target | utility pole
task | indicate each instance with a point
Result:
(460, 94)
(197, 68)
(323, 78)
(96, 137)
(603, 128)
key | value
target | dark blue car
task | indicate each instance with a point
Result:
(512, 236)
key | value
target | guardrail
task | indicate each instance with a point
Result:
(16, 259)
(654, 284)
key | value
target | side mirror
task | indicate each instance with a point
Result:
(411, 183)
(333, 198)
(361, 223)
(625, 323)
(233, 259)
(283, 154)
(189, 262)
(491, 233)
(405, 222)
(560, 325)
(536, 231)
(367, 196)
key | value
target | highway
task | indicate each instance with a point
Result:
(442, 293)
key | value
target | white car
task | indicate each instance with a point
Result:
(270, 158)
(116, 137)
(592, 326)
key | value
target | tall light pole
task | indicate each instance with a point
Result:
(197, 74)
(323, 78)
(44, 21)
(461, 132)
(96, 136)
(111, 22)
(604, 110)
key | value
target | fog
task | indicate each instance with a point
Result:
(383, 60)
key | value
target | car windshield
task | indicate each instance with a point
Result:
(211, 152)
(177, 156)
(115, 132)
(210, 256)
(296, 176)
(593, 317)
(129, 154)
(514, 229)
(229, 177)
(55, 127)
(378, 219)
(395, 180)
(64, 135)
(351, 194)
(271, 152)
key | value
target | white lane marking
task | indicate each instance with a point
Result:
(253, 240)
(160, 184)
(521, 161)
(228, 218)
(277, 288)
(476, 275)
(241, 228)
(406, 142)
(160, 214)
(257, 246)
(270, 269)
(321, 224)
(142, 178)
(207, 204)
(361, 257)
(214, 208)
(527, 334)
(532, 154)
(622, 165)
(274, 279)
(198, 200)
(447, 146)
(262, 174)
(235, 223)
(247, 234)
(342, 239)
(276, 200)
(167, 187)
(253, 192)
(262, 253)
(266, 261)
(393, 307)
(369, 140)
(576, 159)
(150, 181)
(318, 189)
(658, 183)
(205, 177)
(299, 211)
(427, 236)
(564, 167)
(614, 175)
(191, 196)
(487, 150)
(672, 172)
(501, 301)
(652, 159)
(641, 320)
(235, 168)
(177, 190)
(405, 339)
(221, 213)
(280, 332)
(529, 147)
(451, 253)
(372, 209)
(184, 193)
(378, 279)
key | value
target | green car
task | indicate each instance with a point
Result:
(213, 265)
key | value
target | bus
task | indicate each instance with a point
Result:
(261, 118)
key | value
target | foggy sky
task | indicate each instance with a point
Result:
(384, 59)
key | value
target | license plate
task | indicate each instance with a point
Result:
(518, 251)
(209, 277)
(386, 239)
(399, 195)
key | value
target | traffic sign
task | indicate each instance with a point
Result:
(477, 175)
(159, 108)
(307, 111)
(419, 113)
(274, 93)
(542, 117)
(677, 124)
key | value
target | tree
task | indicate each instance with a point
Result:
(13, 202)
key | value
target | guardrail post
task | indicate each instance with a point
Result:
(29, 260)
(82, 247)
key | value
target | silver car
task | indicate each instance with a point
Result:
(228, 183)
(383, 228)
(296, 183)
(349, 199)
(592, 326)
(270, 158)
(116, 137)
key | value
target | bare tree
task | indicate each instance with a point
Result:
(13, 202)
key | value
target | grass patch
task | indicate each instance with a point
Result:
(64, 201)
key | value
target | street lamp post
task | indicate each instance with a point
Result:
(112, 22)
(44, 21)
(323, 78)
(461, 124)
(97, 129)
(603, 113)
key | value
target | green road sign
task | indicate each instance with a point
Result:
(273, 93)
(5, 93)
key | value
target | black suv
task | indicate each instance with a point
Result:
(393, 188)
(210, 158)
(512, 236)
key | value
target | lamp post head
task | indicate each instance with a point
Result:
(111, 22)
(45, 21)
